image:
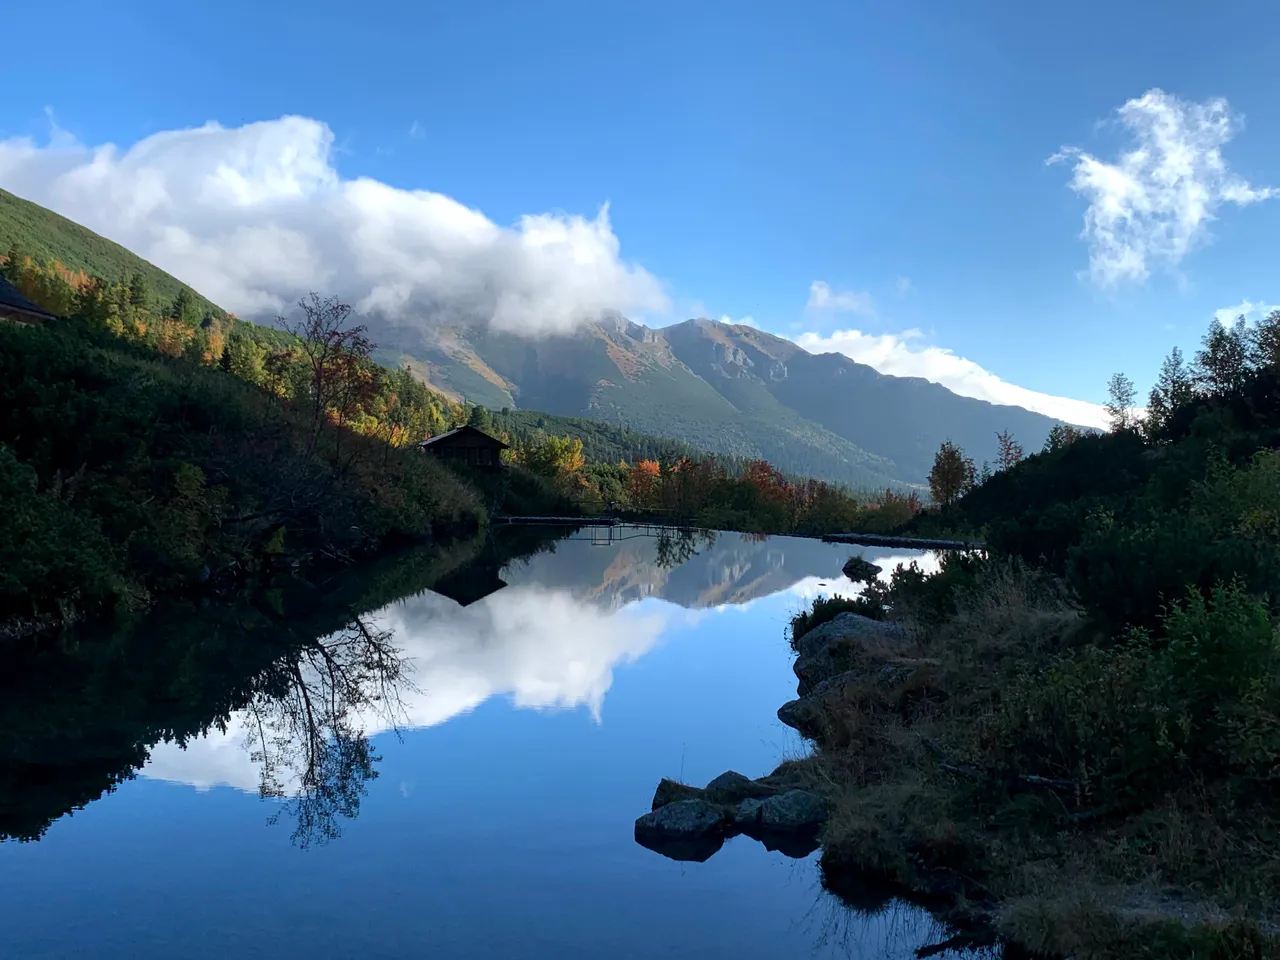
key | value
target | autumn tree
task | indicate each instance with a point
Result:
(1010, 451)
(337, 357)
(952, 475)
(642, 483)
(1120, 400)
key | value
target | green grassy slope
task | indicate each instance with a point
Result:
(45, 235)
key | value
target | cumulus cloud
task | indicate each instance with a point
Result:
(543, 648)
(822, 297)
(741, 321)
(1251, 310)
(255, 216)
(1154, 204)
(907, 355)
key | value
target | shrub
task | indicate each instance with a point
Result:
(1200, 695)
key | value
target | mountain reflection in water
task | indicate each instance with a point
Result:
(482, 762)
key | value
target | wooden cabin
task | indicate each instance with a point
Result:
(467, 445)
(16, 308)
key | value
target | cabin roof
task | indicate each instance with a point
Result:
(11, 299)
(465, 430)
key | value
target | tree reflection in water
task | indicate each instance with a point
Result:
(306, 727)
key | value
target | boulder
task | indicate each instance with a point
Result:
(732, 787)
(848, 628)
(681, 820)
(860, 570)
(747, 814)
(795, 810)
(669, 791)
(805, 714)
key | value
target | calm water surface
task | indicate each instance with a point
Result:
(450, 781)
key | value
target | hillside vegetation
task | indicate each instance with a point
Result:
(48, 237)
(151, 444)
(1077, 737)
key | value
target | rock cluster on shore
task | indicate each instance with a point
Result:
(688, 823)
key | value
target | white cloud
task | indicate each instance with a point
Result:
(1251, 310)
(416, 130)
(822, 297)
(902, 286)
(741, 321)
(544, 648)
(905, 355)
(255, 216)
(1153, 205)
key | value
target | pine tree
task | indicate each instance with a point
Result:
(1061, 435)
(184, 307)
(1174, 387)
(140, 293)
(15, 260)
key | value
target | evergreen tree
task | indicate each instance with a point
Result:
(480, 419)
(140, 293)
(1174, 387)
(14, 261)
(184, 308)
(1060, 436)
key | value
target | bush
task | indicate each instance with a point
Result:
(1200, 695)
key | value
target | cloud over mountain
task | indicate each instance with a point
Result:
(906, 355)
(255, 216)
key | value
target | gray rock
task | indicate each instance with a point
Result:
(731, 787)
(747, 814)
(669, 791)
(848, 628)
(805, 714)
(860, 570)
(682, 820)
(794, 810)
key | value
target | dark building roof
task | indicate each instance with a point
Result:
(464, 431)
(469, 585)
(13, 301)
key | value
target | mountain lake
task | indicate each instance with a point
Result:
(379, 769)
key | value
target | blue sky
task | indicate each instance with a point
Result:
(894, 153)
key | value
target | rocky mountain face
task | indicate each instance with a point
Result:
(728, 389)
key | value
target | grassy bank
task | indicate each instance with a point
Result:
(1089, 796)
(125, 473)
(1075, 738)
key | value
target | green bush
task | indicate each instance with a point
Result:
(1199, 695)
